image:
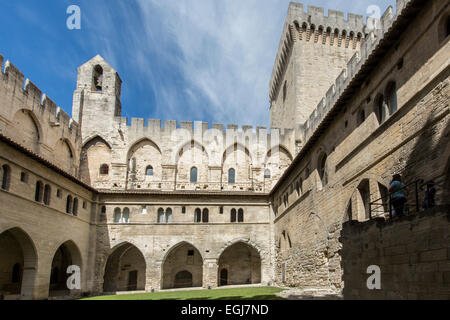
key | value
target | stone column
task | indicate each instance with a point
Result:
(210, 273)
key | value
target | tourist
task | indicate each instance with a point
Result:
(398, 193)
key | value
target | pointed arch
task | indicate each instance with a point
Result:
(17, 247)
(125, 268)
(182, 267)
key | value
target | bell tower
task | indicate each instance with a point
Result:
(96, 101)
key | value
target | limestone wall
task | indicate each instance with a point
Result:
(33, 120)
(413, 255)
(362, 156)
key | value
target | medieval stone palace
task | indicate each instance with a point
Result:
(143, 205)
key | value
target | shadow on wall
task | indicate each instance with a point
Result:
(412, 251)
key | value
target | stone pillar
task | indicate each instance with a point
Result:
(42, 280)
(210, 273)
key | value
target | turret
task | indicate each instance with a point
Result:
(96, 100)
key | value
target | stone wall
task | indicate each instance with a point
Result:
(413, 255)
(312, 201)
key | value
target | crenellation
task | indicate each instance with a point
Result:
(50, 106)
(188, 125)
(387, 19)
(154, 125)
(33, 91)
(14, 74)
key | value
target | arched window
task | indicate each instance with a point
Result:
(284, 91)
(231, 176)
(149, 171)
(241, 215)
(160, 215)
(47, 194)
(97, 81)
(322, 169)
(39, 191)
(117, 215)
(168, 215)
(104, 169)
(69, 204)
(75, 207)
(361, 117)
(267, 174)
(194, 177)
(381, 109)
(198, 215)
(126, 215)
(297, 188)
(233, 215)
(205, 216)
(6, 178)
(391, 97)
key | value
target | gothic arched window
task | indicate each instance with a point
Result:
(69, 204)
(168, 215)
(39, 191)
(47, 194)
(160, 215)
(391, 97)
(75, 207)
(241, 215)
(6, 178)
(126, 215)
(233, 215)
(149, 171)
(322, 168)
(232, 176)
(117, 215)
(205, 216)
(97, 81)
(198, 215)
(194, 175)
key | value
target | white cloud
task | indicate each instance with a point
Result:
(203, 59)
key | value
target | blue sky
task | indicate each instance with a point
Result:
(185, 60)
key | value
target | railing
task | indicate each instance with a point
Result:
(420, 190)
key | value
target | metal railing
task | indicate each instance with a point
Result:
(420, 190)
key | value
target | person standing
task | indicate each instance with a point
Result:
(398, 193)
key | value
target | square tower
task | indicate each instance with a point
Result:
(96, 101)
(313, 51)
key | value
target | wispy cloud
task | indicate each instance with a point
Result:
(205, 60)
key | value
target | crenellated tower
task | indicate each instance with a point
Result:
(96, 101)
(313, 50)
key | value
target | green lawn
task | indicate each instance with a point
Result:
(252, 293)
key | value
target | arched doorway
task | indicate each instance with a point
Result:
(65, 256)
(242, 263)
(183, 279)
(223, 280)
(125, 270)
(182, 267)
(18, 261)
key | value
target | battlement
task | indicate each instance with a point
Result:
(314, 26)
(23, 103)
(15, 81)
(370, 42)
(154, 127)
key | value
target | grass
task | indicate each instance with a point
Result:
(251, 293)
